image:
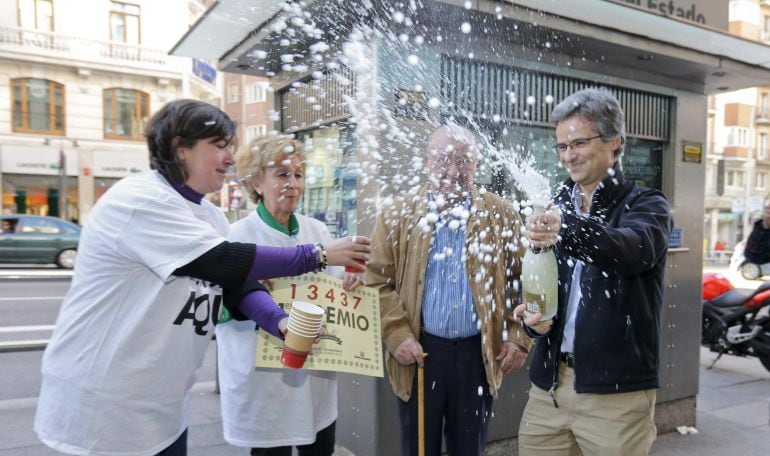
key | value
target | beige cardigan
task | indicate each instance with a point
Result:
(400, 247)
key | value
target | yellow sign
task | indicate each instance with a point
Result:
(353, 341)
(692, 152)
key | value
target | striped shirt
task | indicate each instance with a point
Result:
(447, 302)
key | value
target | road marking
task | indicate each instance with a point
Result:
(13, 329)
(30, 298)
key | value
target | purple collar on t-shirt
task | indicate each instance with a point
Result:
(188, 193)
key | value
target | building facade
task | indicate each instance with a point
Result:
(78, 81)
(246, 100)
(738, 165)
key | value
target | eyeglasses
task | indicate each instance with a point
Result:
(574, 144)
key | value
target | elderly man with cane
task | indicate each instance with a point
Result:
(443, 262)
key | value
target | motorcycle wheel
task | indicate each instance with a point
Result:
(750, 271)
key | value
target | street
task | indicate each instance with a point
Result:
(28, 308)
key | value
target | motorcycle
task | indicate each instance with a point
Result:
(735, 321)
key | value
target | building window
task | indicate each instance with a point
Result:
(763, 147)
(735, 179)
(737, 137)
(256, 93)
(38, 106)
(766, 28)
(36, 14)
(125, 113)
(232, 93)
(761, 181)
(124, 23)
(764, 105)
(255, 131)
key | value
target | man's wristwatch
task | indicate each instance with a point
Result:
(320, 256)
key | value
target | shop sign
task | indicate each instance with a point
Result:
(713, 13)
(36, 160)
(204, 71)
(119, 164)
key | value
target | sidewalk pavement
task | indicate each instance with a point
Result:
(733, 417)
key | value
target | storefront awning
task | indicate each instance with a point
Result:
(690, 56)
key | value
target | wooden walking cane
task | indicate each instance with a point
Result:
(420, 412)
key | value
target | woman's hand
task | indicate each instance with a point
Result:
(283, 326)
(348, 251)
(533, 321)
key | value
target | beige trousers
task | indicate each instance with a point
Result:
(589, 424)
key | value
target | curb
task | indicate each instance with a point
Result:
(23, 345)
(22, 276)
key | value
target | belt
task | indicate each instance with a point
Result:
(475, 339)
(568, 359)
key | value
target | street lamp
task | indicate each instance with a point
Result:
(63, 209)
(64, 212)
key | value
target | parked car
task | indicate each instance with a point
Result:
(35, 239)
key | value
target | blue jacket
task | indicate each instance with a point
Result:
(623, 245)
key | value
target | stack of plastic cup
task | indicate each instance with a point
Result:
(305, 321)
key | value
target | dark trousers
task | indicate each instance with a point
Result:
(323, 446)
(457, 400)
(178, 448)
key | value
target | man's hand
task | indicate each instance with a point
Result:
(512, 357)
(409, 352)
(352, 281)
(533, 321)
(543, 229)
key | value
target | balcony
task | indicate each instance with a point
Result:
(763, 116)
(77, 51)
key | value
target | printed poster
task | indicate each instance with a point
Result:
(353, 339)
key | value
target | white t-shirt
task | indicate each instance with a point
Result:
(129, 336)
(262, 407)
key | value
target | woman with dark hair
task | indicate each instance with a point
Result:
(154, 268)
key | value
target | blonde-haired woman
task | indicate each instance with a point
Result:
(272, 410)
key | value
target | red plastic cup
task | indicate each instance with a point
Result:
(293, 359)
(355, 271)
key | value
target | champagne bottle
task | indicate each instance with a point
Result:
(539, 278)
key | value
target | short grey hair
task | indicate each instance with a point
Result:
(598, 106)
